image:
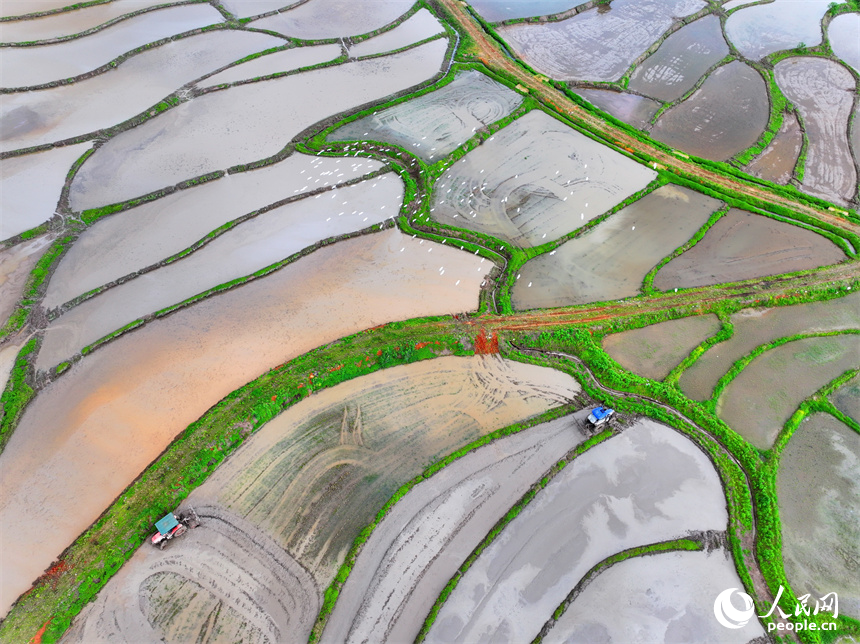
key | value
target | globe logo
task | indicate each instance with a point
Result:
(727, 614)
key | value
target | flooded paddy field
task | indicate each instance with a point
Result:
(844, 36)
(666, 597)
(754, 327)
(417, 27)
(242, 124)
(648, 484)
(317, 19)
(847, 398)
(89, 433)
(435, 124)
(823, 92)
(280, 61)
(630, 108)
(742, 245)
(424, 539)
(674, 68)
(128, 241)
(30, 187)
(777, 162)
(725, 115)
(16, 262)
(610, 261)
(8, 354)
(594, 45)
(58, 113)
(534, 181)
(817, 488)
(653, 351)
(28, 66)
(765, 28)
(777, 381)
(24, 7)
(249, 8)
(496, 10)
(252, 245)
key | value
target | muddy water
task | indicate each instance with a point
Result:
(777, 162)
(30, 187)
(844, 35)
(27, 66)
(766, 28)
(247, 8)
(280, 61)
(420, 26)
(855, 134)
(22, 7)
(497, 10)
(818, 487)
(823, 91)
(249, 247)
(595, 45)
(653, 351)
(126, 242)
(630, 108)
(741, 246)
(34, 118)
(674, 68)
(334, 18)
(534, 181)
(86, 436)
(16, 263)
(8, 353)
(647, 484)
(69, 22)
(725, 115)
(847, 398)
(778, 380)
(420, 544)
(754, 327)
(243, 124)
(666, 597)
(610, 261)
(435, 124)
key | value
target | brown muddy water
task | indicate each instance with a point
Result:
(725, 115)
(666, 597)
(630, 108)
(759, 401)
(765, 28)
(653, 351)
(435, 124)
(318, 19)
(818, 488)
(88, 434)
(8, 353)
(28, 66)
(246, 248)
(280, 61)
(777, 162)
(534, 181)
(48, 115)
(16, 262)
(610, 261)
(754, 327)
(596, 45)
(645, 485)
(844, 36)
(30, 187)
(242, 124)
(674, 68)
(418, 27)
(742, 245)
(823, 92)
(847, 398)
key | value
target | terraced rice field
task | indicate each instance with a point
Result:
(318, 19)
(777, 162)
(16, 262)
(495, 11)
(610, 260)
(681, 60)
(665, 597)
(285, 60)
(71, 454)
(755, 327)
(765, 28)
(594, 45)
(847, 399)
(586, 513)
(823, 92)
(653, 351)
(817, 484)
(759, 401)
(420, 26)
(534, 181)
(742, 245)
(725, 115)
(434, 125)
(630, 108)
(844, 36)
